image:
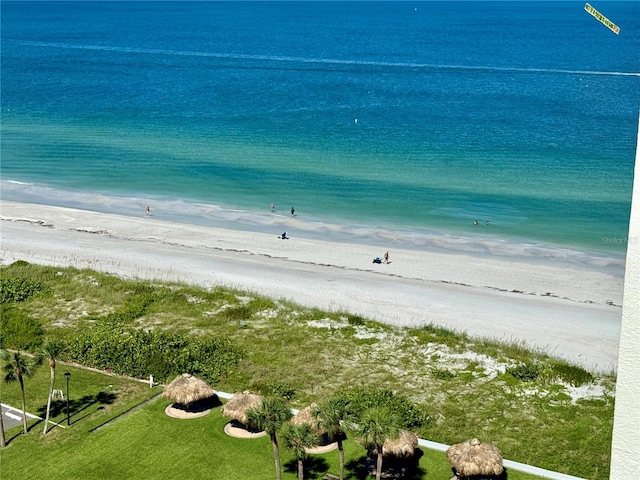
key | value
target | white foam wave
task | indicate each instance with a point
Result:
(16, 182)
(185, 211)
(323, 61)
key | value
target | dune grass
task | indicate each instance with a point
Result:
(537, 410)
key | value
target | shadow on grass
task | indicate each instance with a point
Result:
(200, 405)
(59, 409)
(314, 467)
(78, 408)
(18, 432)
(392, 467)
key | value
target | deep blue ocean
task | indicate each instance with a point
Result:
(388, 122)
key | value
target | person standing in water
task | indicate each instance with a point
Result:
(293, 211)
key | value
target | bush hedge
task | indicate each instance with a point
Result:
(363, 398)
(16, 289)
(18, 330)
(113, 345)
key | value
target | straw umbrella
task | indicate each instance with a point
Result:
(306, 417)
(187, 389)
(474, 459)
(400, 455)
(403, 446)
(238, 406)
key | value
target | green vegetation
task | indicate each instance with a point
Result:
(271, 416)
(447, 387)
(524, 371)
(110, 438)
(375, 425)
(19, 329)
(333, 415)
(406, 414)
(52, 350)
(18, 289)
(17, 367)
(298, 438)
(111, 344)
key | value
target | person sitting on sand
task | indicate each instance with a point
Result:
(284, 236)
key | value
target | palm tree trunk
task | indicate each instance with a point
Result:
(51, 384)
(341, 453)
(300, 469)
(276, 456)
(24, 404)
(3, 440)
(379, 465)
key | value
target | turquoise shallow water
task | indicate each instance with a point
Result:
(385, 122)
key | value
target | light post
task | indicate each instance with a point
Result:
(67, 375)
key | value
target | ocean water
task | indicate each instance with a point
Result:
(399, 123)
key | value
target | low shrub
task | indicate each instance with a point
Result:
(274, 389)
(18, 330)
(524, 371)
(136, 304)
(355, 320)
(434, 334)
(442, 374)
(237, 312)
(16, 289)
(111, 344)
(409, 415)
(572, 374)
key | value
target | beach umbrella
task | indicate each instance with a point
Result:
(238, 405)
(403, 446)
(186, 389)
(474, 458)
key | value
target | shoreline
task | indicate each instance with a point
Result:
(475, 240)
(569, 311)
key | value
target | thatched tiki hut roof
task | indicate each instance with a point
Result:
(403, 446)
(186, 389)
(238, 406)
(474, 458)
(306, 416)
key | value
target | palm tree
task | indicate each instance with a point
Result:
(3, 440)
(271, 416)
(298, 438)
(52, 350)
(374, 426)
(332, 416)
(18, 367)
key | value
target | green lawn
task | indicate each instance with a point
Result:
(94, 397)
(146, 443)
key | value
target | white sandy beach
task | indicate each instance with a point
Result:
(570, 312)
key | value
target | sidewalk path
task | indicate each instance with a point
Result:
(12, 417)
